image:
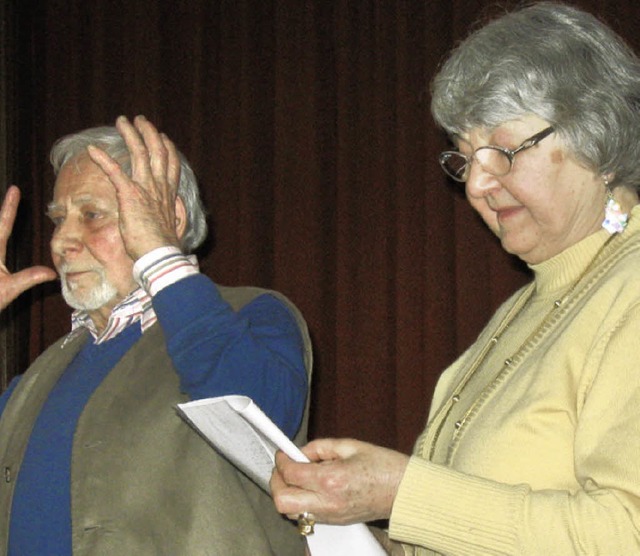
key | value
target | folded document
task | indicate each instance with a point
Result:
(239, 430)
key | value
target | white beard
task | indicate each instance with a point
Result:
(99, 296)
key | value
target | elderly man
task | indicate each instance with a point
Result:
(95, 459)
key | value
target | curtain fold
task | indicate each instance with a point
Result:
(308, 126)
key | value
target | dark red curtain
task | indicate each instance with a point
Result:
(308, 125)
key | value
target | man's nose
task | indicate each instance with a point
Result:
(66, 238)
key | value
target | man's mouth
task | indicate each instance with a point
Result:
(72, 275)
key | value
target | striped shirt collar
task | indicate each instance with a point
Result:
(136, 307)
(153, 272)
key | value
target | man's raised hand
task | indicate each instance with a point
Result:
(151, 214)
(12, 285)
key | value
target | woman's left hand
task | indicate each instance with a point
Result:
(347, 481)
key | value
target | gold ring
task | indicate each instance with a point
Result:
(306, 521)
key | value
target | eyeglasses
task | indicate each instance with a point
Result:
(494, 160)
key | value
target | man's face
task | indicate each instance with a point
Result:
(86, 247)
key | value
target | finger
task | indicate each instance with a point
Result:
(318, 450)
(294, 501)
(276, 483)
(285, 497)
(173, 162)
(138, 152)
(295, 472)
(23, 280)
(294, 492)
(330, 448)
(281, 459)
(157, 150)
(29, 277)
(307, 476)
(8, 217)
(111, 168)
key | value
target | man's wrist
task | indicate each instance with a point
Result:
(162, 267)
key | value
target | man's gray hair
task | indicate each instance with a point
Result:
(109, 140)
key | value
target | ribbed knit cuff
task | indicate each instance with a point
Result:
(454, 513)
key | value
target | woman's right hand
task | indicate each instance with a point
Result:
(12, 285)
(347, 481)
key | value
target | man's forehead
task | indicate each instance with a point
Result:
(81, 180)
(80, 167)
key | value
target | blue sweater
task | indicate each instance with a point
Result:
(257, 352)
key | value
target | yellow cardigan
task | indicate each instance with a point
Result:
(539, 452)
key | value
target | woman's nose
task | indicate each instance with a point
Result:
(481, 183)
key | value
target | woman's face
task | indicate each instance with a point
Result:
(546, 203)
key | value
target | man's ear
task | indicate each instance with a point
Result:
(181, 218)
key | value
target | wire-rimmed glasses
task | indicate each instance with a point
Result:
(494, 160)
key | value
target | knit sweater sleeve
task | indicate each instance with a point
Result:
(257, 351)
(454, 513)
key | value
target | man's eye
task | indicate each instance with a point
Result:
(57, 219)
(91, 215)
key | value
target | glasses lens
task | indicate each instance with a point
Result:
(454, 164)
(493, 160)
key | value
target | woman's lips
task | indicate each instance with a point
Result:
(507, 212)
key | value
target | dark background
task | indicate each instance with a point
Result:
(308, 125)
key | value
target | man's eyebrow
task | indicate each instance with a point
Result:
(51, 207)
(75, 201)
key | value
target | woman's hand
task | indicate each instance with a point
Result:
(347, 481)
(12, 285)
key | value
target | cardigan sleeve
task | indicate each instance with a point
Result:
(454, 513)
(257, 351)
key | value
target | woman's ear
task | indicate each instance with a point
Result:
(609, 178)
(181, 218)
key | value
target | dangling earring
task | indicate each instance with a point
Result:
(615, 221)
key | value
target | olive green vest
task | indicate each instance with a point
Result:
(143, 482)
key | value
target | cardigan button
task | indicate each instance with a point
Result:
(7, 474)
(458, 424)
(455, 399)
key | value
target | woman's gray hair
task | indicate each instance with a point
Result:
(109, 140)
(559, 63)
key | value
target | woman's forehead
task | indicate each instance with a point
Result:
(517, 129)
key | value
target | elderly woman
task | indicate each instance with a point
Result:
(533, 441)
